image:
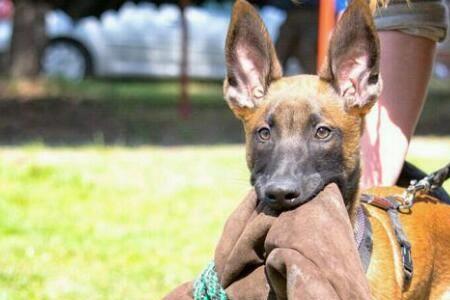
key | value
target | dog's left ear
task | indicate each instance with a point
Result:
(352, 66)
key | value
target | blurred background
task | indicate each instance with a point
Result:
(119, 159)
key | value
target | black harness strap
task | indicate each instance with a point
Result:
(404, 244)
(391, 206)
(438, 177)
(363, 237)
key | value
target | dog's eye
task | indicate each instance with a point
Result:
(322, 132)
(264, 134)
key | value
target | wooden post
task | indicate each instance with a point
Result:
(327, 20)
(184, 104)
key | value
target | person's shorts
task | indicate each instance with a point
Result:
(424, 18)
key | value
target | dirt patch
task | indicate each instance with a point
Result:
(68, 122)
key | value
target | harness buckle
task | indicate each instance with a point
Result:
(408, 268)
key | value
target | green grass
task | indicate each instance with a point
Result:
(111, 223)
(143, 91)
(120, 223)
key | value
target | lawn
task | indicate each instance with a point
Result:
(131, 112)
(101, 222)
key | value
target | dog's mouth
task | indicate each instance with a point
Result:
(307, 193)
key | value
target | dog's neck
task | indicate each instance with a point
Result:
(350, 191)
(350, 185)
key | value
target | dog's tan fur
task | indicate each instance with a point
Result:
(291, 100)
(428, 230)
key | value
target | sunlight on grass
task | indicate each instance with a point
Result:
(121, 223)
(111, 223)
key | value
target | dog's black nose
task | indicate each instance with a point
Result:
(282, 194)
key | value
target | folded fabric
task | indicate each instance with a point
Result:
(305, 253)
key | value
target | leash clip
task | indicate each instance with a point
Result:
(416, 186)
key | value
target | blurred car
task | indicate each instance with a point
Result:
(138, 40)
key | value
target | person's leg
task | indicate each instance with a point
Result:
(288, 37)
(405, 66)
(306, 51)
(408, 35)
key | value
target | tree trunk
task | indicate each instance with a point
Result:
(28, 39)
(184, 105)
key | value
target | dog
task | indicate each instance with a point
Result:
(303, 132)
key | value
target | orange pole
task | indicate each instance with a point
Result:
(327, 20)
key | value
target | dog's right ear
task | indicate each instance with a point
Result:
(251, 60)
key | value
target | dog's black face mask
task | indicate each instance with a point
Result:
(294, 153)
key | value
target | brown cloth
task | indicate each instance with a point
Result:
(305, 253)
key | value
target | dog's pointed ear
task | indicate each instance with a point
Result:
(352, 65)
(251, 60)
